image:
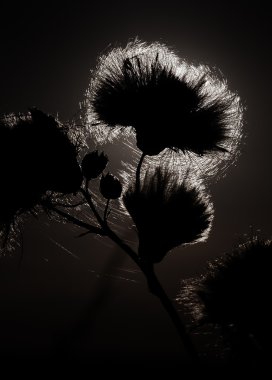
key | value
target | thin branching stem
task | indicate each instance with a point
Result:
(153, 283)
(60, 204)
(87, 195)
(74, 220)
(106, 210)
(156, 289)
(138, 172)
(107, 230)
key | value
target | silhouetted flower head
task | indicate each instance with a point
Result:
(167, 213)
(110, 186)
(36, 156)
(93, 164)
(168, 102)
(234, 294)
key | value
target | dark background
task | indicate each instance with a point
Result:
(92, 305)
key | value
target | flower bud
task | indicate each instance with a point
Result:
(110, 187)
(93, 164)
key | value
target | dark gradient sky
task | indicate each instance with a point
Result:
(47, 51)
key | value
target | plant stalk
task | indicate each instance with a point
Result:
(138, 172)
(157, 290)
(153, 283)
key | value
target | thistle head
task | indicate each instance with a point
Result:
(36, 156)
(234, 294)
(169, 103)
(167, 213)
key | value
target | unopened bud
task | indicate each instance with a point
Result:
(110, 187)
(93, 164)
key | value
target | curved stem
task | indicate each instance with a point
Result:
(153, 283)
(106, 210)
(78, 222)
(107, 230)
(59, 204)
(89, 200)
(156, 289)
(138, 172)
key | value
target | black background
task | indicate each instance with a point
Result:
(90, 306)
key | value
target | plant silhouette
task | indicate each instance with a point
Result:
(167, 214)
(168, 102)
(233, 295)
(37, 157)
(170, 105)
